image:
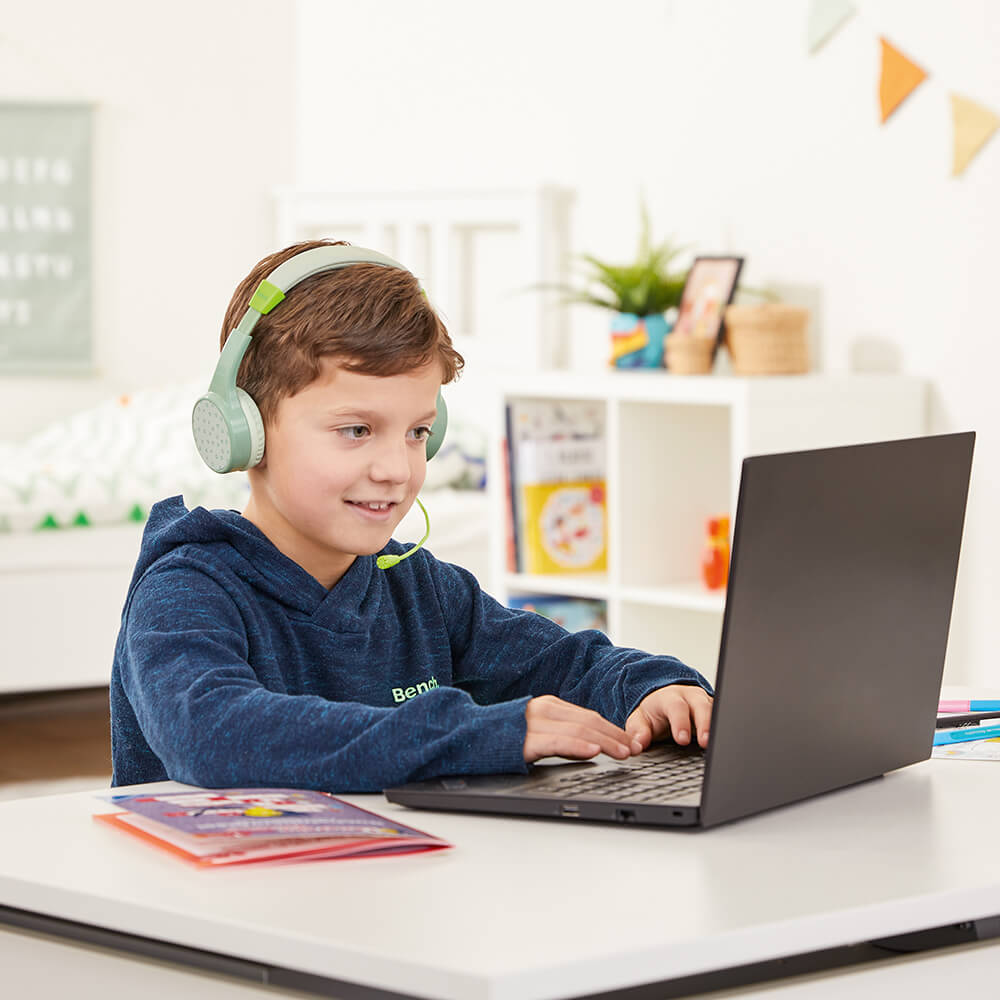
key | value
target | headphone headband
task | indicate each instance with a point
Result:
(227, 427)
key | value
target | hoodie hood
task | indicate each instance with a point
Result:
(175, 535)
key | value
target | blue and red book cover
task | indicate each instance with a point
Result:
(239, 825)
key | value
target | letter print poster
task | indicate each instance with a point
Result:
(45, 237)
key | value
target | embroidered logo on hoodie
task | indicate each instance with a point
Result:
(405, 694)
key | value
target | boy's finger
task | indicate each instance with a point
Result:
(701, 709)
(679, 717)
(639, 730)
(587, 718)
(569, 735)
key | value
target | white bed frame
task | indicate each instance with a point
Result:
(477, 253)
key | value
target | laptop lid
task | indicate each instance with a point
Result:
(837, 616)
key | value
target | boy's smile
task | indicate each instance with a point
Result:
(343, 461)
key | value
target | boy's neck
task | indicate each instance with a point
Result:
(326, 571)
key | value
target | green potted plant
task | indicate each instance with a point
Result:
(639, 294)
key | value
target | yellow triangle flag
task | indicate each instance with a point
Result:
(973, 124)
(900, 77)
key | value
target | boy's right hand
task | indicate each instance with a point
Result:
(558, 728)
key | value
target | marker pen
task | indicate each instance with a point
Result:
(953, 705)
(951, 720)
(943, 736)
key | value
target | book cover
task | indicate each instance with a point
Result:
(573, 613)
(237, 826)
(565, 527)
(558, 443)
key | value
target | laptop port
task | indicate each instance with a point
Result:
(625, 815)
(568, 809)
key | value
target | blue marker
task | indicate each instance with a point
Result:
(943, 736)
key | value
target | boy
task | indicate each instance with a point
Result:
(268, 648)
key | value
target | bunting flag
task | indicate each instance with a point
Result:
(973, 125)
(900, 77)
(825, 18)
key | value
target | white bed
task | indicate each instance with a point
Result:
(62, 588)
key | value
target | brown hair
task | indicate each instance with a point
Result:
(376, 320)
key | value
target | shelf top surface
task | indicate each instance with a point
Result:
(661, 386)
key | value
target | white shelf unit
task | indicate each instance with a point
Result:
(675, 444)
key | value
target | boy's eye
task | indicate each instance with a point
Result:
(354, 433)
(421, 433)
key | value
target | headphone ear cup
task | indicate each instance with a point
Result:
(255, 424)
(436, 437)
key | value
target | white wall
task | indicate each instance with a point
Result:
(193, 129)
(742, 141)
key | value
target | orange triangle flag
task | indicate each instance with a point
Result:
(900, 77)
(973, 125)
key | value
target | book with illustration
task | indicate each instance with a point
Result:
(229, 826)
(557, 485)
(573, 613)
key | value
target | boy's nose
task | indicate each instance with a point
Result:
(391, 464)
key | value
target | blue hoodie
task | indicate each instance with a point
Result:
(235, 667)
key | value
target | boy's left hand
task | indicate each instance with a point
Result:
(672, 709)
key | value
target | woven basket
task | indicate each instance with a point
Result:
(686, 355)
(768, 339)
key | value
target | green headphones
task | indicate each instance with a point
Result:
(227, 426)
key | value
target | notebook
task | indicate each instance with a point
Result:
(832, 652)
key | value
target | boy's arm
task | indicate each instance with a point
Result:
(205, 714)
(500, 654)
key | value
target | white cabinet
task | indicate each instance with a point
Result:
(675, 444)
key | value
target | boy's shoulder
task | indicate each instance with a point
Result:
(197, 539)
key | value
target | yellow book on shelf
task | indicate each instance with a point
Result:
(565, 527)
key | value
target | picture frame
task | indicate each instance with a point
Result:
(710, 286)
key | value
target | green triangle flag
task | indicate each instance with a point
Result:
(136, 514)
(81, 520)
(46, 523)
(825, 18)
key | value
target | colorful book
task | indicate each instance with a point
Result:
(565, 527)
(573, 613)
(558, 487)
(228, 826)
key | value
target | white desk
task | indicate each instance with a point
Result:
(524, 909)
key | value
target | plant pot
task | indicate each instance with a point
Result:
(687, 355)
(637, 341)
(768, 339)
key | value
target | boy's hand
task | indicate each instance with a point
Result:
(558, 728)
(671, 709)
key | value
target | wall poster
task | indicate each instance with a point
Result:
(45, 237)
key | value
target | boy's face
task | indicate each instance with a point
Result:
(343, 460)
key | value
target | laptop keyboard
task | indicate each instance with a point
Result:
(660, 775)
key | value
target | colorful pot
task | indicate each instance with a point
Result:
(637, 341)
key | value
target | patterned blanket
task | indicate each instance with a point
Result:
(111, 463)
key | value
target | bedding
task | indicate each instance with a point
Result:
(111, 463)
(74, 498)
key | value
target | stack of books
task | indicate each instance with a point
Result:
(232, 826)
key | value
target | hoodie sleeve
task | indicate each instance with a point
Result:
(205, 714)
(501, 653)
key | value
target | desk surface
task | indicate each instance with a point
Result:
(542, 908)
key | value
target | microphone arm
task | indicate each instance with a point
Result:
(388, 561)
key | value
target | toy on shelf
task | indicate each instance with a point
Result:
(715, 558)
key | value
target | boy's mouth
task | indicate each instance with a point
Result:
(375, 510)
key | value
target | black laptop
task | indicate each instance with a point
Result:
(833, 643)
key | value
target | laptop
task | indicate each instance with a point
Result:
(832, 652)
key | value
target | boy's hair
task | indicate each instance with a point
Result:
(375, 320)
